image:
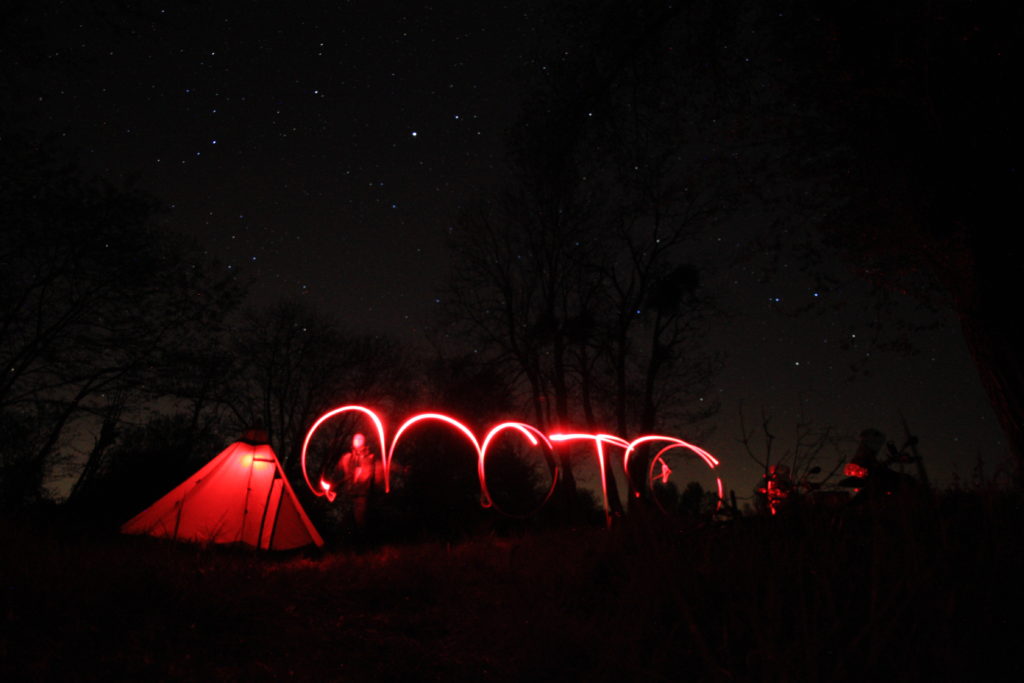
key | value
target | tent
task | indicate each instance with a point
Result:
(241, 496)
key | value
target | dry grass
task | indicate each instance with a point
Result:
(932, 594)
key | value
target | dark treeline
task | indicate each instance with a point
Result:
(132, 359)
(862, 141)
(577, 297)
(578, 289)
(885, 135)
(99, 311)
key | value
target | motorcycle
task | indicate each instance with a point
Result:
(778, 493)
(874, 479)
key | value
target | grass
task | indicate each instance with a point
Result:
(924, 595)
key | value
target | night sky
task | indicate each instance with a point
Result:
(325, 151)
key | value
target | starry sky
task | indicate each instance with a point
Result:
(323, 151)
(326, 151)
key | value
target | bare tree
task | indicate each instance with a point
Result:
(581, 279)
(811, 447)
(904, 135)
(292, 364)
(94, 300)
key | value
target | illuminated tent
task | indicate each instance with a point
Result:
(241, 496)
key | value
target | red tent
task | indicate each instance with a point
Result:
(241, 496)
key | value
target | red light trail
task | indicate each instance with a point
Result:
(531, 434)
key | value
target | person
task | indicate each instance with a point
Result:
(362, 475)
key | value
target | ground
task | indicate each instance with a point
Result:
(927, 595)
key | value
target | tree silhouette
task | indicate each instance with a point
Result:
(292, 363)
(580, 279)
(147, 461)
(95, 302)
(916, 138)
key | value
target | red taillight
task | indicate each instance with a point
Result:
(855, 470)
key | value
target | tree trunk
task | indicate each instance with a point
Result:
(995, 346)
(107, 437)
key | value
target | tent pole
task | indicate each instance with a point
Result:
(245, 508)
(277, 515)
(263, 518)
